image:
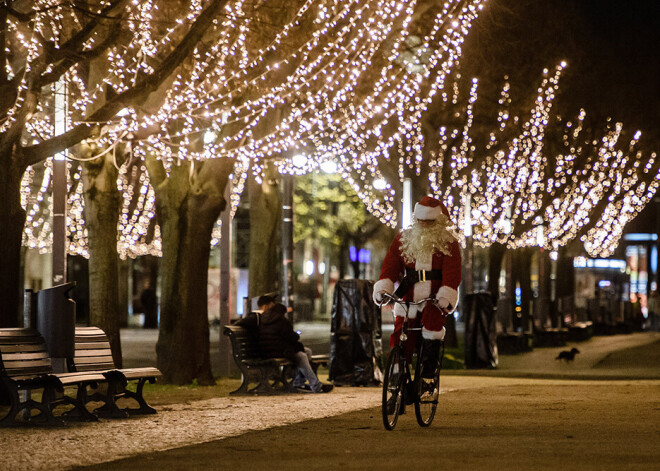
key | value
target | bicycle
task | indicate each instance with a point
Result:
(398, 376)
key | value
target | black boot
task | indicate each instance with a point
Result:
(430, 357)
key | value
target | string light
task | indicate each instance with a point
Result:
(332, 84)
(591, 189)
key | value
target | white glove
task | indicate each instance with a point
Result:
(443, 303)
(378, 296)
(381, 287)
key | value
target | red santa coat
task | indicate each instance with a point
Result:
(393, 270)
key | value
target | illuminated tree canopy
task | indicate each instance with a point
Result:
(529, 180)
(340, 81)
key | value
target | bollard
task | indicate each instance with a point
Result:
(56, 321)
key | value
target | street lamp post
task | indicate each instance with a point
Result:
(544, 289)
(59, 188)
(287, 240)
(225, 285)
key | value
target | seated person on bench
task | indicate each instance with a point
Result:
(277, 339)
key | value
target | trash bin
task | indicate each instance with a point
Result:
(356, 335)
(56, 320)
(480, 331)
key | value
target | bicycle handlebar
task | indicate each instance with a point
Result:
(391, 298)
(395, 299)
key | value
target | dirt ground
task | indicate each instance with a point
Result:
(599, 412)
(533, 425)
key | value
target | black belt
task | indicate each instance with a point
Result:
(413, 276)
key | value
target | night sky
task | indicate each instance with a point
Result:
(612, 48)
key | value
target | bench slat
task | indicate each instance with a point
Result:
(23, 356)
(35, 370)
(13, 332)
(84, 345)
(29, 363)
(94, 353)
(146, 372)
(91, 338)
(7, 349)
(73, 378)
(21, 340)
(97, 365)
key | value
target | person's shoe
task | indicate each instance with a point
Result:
(304, 389)
(326, 388)
(429, 391)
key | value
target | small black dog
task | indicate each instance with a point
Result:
(567, 355)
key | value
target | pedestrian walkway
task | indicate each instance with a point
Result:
(495, 424)
(177, 425)
(627, 358)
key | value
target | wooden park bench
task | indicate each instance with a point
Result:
(271, 375)
(25, 366)
(93, 354)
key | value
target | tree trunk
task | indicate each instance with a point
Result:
(495, 255)
(187, 204)
(526, 294)
(265, 216)
(12, 222)
(123, 292)
(102, 207)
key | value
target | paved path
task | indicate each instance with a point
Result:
(39, 448)
(500, 424)
(619, 406)
(503, 424)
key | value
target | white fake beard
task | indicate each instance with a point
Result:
(418, 242)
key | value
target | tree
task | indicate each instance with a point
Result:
(328, 211)
(43, 45)
(267, 82)
(265, 216)
(188, 206)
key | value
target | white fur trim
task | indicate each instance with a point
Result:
(427, 212)
(424, 262)
(421, 290)
(383, 285)
(400, 311)
(449, 293)
(433, 334)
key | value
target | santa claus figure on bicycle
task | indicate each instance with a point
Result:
(426, 261)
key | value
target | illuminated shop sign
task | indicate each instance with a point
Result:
(641, 237)
(583, 262)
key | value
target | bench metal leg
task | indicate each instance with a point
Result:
(109, 409)
(243, 388)
(16, 407)
(79, 411)
(139, 398)
(253, 375)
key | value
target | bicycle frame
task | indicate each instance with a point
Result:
(398, 389)
(406, 305)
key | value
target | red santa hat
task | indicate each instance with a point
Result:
(430, 208)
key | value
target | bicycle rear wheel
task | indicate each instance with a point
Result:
(393, 388)
(427, 389)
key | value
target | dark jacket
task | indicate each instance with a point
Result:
(250, 321)
(277, 338)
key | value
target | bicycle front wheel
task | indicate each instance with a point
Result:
(427, 389)
(393, 388)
